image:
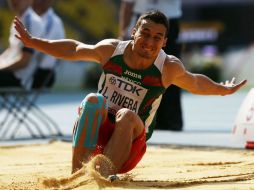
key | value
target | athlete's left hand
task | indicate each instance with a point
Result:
(232, 86)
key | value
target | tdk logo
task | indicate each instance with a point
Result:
(123, 85)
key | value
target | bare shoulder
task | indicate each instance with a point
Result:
(173, 68)
(109, 43)
(172, 62)
(106, 48)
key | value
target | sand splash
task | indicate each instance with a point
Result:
(87, 176)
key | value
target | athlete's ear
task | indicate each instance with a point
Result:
(133, 32)
(165, 42)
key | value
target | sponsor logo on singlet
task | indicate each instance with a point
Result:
(135, 75)
(122, 93)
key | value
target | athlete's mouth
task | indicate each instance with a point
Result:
(147, 48)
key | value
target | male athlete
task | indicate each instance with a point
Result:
(119, 119)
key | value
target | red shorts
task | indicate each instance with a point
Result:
(138, 148)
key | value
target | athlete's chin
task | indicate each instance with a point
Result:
(146, 55)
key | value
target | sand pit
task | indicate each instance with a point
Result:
(48, 166)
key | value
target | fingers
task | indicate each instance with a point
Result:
(232, 84)
(17, 20)
(243, 82)
(233, 80)
(19, 25)
(17, 36)
(18, 28)
(22, 32)
(239, 85)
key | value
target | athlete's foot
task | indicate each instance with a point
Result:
(103, 166)
(113, 178)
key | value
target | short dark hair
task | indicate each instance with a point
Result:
(155, 16)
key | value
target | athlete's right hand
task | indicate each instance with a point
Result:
(23, 33)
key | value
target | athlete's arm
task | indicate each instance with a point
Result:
(196, 83)
(66, 48)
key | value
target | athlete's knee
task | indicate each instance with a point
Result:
(129, 120)
(92, 113)
(94, 99)
(125, 114)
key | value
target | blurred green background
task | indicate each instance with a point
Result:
(84, 20)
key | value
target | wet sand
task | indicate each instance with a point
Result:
(48, 166)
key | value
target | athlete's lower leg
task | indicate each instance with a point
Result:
(128, 127)
(92, 113)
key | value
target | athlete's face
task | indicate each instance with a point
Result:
(149, 38)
